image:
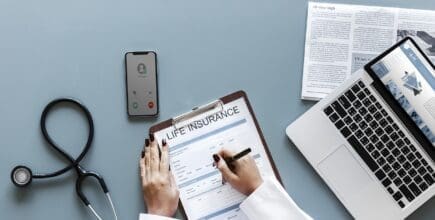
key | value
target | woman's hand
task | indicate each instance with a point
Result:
(158, 185)
(243, 175)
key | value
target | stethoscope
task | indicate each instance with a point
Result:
(22, 176)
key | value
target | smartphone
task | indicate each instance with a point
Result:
(141, 83)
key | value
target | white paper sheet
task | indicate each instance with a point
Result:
(341, 39)
(201, 191)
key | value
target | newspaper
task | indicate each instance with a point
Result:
(341, 38)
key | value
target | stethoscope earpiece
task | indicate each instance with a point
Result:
(21, 176)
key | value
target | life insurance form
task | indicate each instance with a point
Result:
(191, 147)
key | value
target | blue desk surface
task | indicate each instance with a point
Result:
(206, 49)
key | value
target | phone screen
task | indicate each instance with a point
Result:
(141, 79)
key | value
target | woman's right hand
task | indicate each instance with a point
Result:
(244, 175)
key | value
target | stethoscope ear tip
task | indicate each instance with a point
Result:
(21, 176)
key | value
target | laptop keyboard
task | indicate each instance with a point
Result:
(379, 141)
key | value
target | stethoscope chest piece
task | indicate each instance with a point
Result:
(21, 176)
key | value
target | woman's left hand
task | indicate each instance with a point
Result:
(160, 191)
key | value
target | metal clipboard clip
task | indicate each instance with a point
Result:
(212, 108)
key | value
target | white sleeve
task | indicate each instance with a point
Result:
(271, 201)
(153, 217)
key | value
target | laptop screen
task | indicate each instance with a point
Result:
(409, 77)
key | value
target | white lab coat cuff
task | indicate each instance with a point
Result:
(271, 201)
(153, 217)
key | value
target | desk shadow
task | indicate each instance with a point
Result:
(138, 119)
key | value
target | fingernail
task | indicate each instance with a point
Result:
(151, 137)
(147, 142)
(216, 158)
(164, 142)
(142, 154)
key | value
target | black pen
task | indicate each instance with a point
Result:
(230, 160)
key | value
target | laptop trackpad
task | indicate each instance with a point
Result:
(344, 173)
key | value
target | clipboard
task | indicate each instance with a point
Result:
(212, 108)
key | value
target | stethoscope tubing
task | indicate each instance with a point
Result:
(74, 163)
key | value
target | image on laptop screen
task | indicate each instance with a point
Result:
(410, 79)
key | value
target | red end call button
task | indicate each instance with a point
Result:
(150, 104)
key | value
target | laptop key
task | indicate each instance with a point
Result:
(401, 204)
(374, 124)
(397, 181)
(345, 132)
(390, 159)
(410, 156)
(363, 125)
(421, 171)
(367, 91)
(364, 141)
(361, 95)
(395, 152)
(412, 172)
(328, 110)
(383, 122)
(396, 166)
(407, 141)
(368, 132)
(359, 134)
(423, 186)
(385, 138)
(405, 150)
(368, 118)
(381, 161)
(351, 111)
(380, 174)
(414, 188)
(339, 124)
(416, 164)
(392, 175)
(349, 94)
(390, 145)
(406, 192)
(372, 98)
(362, 153)
(407, 165)
(386, 168)
(374, 138)
(407, 179)
(375, 154)
(391, 191)
(334, 117)
(397, 196)
(418, 179)
(355, 88)
(337, 107)
(353, 127)
(347, 120)
(385, 152)
(357, 104)
(401, 159)
(389, 129)
(428, 178)
(377, 116)
(344, 102)
(361, 84)
(367, 102)
(370, 147)
(401, 172)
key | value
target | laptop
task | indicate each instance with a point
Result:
(372, 140)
